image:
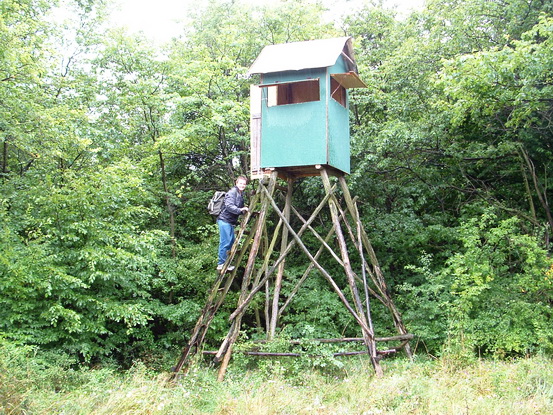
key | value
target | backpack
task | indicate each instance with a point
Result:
(216, 203)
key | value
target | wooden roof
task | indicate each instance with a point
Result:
(296, 56)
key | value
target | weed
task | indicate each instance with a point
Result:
(420, 386)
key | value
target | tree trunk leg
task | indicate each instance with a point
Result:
(280, 271)
(368, 334)
(379, 278)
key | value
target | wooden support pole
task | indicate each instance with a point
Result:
(268, 254)
(402, 337)
(292, 354)
(263, 270)
(368, 334)
(356, 240)
(379, 280)
(325, 274)
(364, 275)
(280, 271)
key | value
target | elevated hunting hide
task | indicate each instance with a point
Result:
(300, 110)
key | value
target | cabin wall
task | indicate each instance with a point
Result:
(255, 132)
(306, 133)
(338, 126)
(294, 134)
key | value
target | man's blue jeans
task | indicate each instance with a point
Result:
(226, 239)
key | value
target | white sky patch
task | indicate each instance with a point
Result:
(160, 20)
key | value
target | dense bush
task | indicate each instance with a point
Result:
(493, 297)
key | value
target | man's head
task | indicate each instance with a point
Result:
(241, 183)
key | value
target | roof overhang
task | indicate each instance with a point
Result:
(349, 80)
(296, 56)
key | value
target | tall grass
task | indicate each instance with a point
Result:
(407, 387)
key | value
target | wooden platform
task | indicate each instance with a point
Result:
(297, 172)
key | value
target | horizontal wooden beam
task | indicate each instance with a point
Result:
(401, 337)
(290, 354)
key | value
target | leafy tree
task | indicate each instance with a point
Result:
(494, 295)
(409, 159)
(77, 265)
(209, 69)
(22, 61)
(439, 136)
(506, 94)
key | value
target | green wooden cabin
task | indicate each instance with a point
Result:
(300, 110)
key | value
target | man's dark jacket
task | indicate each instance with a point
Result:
(231, 209)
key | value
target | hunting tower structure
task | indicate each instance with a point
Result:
(300, 110)
(300, 128)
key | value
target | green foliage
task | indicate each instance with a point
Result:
(76, 266)
(316, 307)
(452, 124)
(502, 294)
(494, 296)
(26, 370)
(424, 301)
(111, 146)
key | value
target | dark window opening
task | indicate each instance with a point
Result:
(293, 93)
(338, 92)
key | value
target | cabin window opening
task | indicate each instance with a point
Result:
(338, 92)
(293, 92)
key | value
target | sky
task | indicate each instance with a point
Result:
(159, 19)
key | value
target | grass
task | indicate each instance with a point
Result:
(422, 386)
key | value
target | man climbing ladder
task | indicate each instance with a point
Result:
(228, 218)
